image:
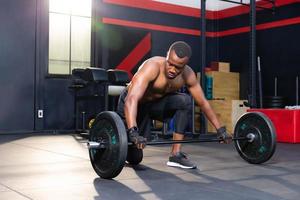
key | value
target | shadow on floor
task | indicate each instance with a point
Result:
(190, 184)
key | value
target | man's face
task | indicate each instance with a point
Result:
(174, 64)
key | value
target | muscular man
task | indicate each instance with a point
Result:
(152, 94)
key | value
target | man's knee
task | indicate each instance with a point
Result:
(184, 101)
(183, 112)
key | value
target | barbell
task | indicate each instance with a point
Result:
(254, 139)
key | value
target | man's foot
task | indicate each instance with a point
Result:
(180, 160)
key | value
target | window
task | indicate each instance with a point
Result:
(69, 35)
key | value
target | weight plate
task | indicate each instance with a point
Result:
(263, 146)
(108, 128)
(273, 98)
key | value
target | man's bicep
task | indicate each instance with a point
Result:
(141, 80)
(138, 86)
(194, 87)
(190, 78)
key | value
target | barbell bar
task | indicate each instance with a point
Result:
(102, 144)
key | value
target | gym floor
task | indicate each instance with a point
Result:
(58, 167)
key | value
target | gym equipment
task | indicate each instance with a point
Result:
(109, 139)
(94, 91)
(262, 141)
(297, 90)
(254, 137)
(260, 83)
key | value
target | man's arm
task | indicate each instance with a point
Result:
(138, 86)
(197, 93)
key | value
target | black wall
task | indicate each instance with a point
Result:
(278, 49)
(24, 83)
(127, 38)
(17, 64)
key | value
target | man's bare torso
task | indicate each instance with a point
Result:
(161, 85)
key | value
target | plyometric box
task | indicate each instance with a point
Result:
(286, 122)
(220, 66)
(225, 84)
(228, 112)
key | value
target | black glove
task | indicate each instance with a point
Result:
(135, 138)
(222, 134)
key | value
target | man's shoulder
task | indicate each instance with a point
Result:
(154, 62)
(156, 59)
(187, 70)
(151, 67)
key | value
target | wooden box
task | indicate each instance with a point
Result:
(220, 66)
(197, 122)
(228, 112)
(225, 84)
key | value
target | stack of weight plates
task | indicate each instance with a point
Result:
(273, 102)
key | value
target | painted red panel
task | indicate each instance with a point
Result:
(149, 26)
(240, 30)
(135, 56)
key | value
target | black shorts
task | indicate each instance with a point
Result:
(173, 104)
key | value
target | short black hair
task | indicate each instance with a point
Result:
(182, 49)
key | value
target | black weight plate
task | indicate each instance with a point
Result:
(273, 98)
(280, 101)
(263, 146)
(134, 155)
(108, 127)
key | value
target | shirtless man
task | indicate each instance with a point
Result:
(152, 94)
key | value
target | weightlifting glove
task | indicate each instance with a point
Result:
(135, 138)
(222, 134)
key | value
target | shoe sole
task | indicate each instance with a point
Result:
(173, 164)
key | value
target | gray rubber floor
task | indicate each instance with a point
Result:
(58, 167)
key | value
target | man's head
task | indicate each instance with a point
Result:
(177, 57)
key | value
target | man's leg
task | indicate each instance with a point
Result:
(180, 104)
(176, 147)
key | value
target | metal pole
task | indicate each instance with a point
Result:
(83, 120)
(191, 141)
(259, 83)
(203, 60)
(106, 96)
(100, 145)
(252, 65)
(275, 86)
(193, 116)
(297, 91)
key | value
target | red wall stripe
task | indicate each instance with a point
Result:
(264, 26)
(233, 31)
(194, 12)
(136, 55)
(155, 27)
(194, 32)
(284, 22)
